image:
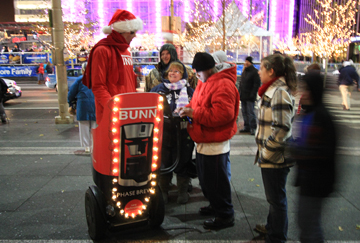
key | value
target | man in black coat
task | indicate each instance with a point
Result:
(249, 85)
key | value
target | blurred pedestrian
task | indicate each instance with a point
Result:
(40, 72)
(49, 68)
(85, 109)
(249, 86)
(178, 94)
(110, 71)
(167, 54)
(213, 109)
(315, 153)
(16, 48)
(276, 113)
(347, 78)
(3, 91)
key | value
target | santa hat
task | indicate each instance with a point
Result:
(123, 21)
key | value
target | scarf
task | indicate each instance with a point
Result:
(265, 86)
(115, 41)
(183, 97)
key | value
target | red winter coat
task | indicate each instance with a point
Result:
(103, 84)
(216, 107)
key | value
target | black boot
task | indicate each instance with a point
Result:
(164, 183)
(182, 184)
(3, 119)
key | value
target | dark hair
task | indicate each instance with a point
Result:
(282, 66)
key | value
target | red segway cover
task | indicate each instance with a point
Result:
(127, 149)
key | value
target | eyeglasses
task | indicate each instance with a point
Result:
(174, 71)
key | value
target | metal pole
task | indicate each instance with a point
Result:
(58, 34)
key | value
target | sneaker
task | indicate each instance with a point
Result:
(261, 228)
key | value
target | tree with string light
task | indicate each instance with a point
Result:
(332, 28)
(217, 26)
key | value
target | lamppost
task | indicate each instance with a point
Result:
(58, 34)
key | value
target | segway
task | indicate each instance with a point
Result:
(126, 162)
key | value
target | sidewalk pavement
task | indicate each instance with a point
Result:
(43, 183)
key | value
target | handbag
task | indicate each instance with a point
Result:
(72, 107)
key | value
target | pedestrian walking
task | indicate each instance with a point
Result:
(178, 94)
(40, 72)
(110, 71)
(315, 154)
(347, 79)
(276, 113)
(85, 110)
(248, 88)
(167, 54)
(213, 109)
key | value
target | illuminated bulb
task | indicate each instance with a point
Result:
(156, 130)
(114, 189)
(114, 130)
(114, 197)
(116, 150)
(114, 119)
(144, 207)
(140, 212)
(116, 99)
(160, 107)
(115, 170)
(115, 140)
(115, 109)
(153, 175)
(153, 183)
(118, 204)
(115, 160)
(146, 199)
(152, 191)
(158, 119)
(155, 148)
(154, 165)
(156, 139)
(122, 211)
(126, 215)
(115, 180)
(133, 215)
(161, 98)
(155, 157)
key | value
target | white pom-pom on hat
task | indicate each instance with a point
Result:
(123, 21)
(106, 30)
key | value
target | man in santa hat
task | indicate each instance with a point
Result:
(110, 67)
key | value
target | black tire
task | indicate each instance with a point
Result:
(157, 209)
(94, 218)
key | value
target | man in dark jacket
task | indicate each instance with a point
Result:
(3, 90)
(347, 78)
(249, 85)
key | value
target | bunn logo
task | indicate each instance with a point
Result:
(137, 113)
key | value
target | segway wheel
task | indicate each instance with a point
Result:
(157, 210)
(95, 221)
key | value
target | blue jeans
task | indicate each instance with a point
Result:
(274, 181)
(309, 219)
(248, 113)
(214, 181)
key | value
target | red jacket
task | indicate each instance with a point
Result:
(103, 86)
(216, 107)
